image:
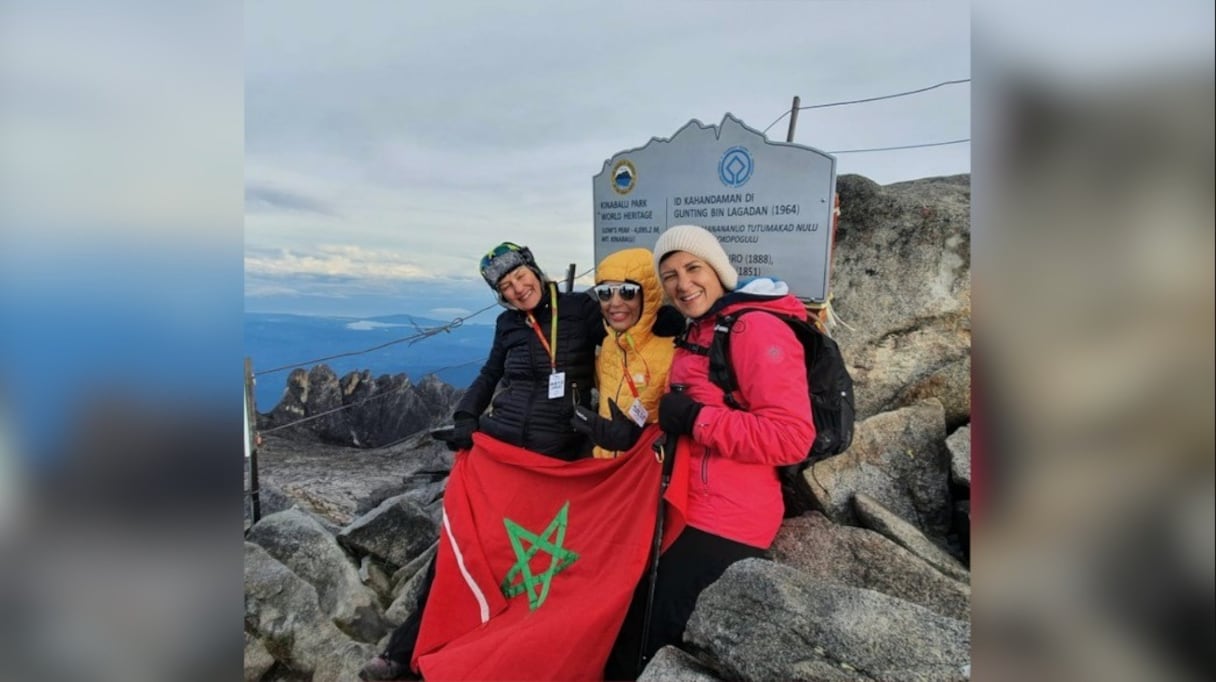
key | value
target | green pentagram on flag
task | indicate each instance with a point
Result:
(537, 586)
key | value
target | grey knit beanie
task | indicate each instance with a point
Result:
(503, 259)
(701, 243)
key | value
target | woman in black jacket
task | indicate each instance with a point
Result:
(543, 356)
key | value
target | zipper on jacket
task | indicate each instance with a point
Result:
(525, 423)
(705, 468)
(620, 386)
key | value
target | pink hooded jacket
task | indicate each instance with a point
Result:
(733, 487)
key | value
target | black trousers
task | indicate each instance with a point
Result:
(401, 643)
(693, 562)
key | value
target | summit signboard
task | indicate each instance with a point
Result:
(768, 203)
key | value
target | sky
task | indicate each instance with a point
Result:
(388, 145)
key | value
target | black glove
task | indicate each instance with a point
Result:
(462, 432)
(618, 433)
(668, 322)
(678, 412)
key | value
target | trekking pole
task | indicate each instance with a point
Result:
(665, 449)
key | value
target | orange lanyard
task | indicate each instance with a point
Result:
(550, 348)
(625, 366)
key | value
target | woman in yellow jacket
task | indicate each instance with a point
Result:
(631, 370)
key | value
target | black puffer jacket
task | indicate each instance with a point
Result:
(522, 413)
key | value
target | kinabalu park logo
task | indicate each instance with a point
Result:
(624, 177)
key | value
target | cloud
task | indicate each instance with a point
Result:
(341, 261)
(368, 325)
(312, 294)
(256, 289)
(259, 197)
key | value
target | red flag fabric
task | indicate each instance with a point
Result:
(538, 560)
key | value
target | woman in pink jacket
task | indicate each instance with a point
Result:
(734, 501)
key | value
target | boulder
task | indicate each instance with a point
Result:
(410, 586)
(400, 529)
(299, 542)
(901, 282)
(959, 445)
(880, 519)
(257, 659)
(861, 558)
(283, 612)
(765, 621)
(897, 458)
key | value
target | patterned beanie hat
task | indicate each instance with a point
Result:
(504, 258)
(701, 243)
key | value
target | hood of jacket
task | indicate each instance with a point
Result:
(761, 292)
(637, 266)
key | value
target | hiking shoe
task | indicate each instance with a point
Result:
(381, 668)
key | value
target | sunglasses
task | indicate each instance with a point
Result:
(604, 292)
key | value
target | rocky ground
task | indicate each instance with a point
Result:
(339, 483)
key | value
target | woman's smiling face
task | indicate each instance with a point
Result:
(620, 314)
(690, 283)
(521, 288)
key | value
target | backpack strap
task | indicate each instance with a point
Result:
(683, 342)
(721, 371)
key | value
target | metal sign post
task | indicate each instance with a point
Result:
(789, 137)
(251, 446)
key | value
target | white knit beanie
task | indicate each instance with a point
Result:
(701, 243)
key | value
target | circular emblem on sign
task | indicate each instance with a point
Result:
(735, 168)
(624, 176)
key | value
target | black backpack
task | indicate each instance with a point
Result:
(830, 386)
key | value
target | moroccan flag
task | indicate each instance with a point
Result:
(538, 561)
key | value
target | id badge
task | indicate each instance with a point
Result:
(638, 413)
(557, 385)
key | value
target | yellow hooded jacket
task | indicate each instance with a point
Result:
(646, 357)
